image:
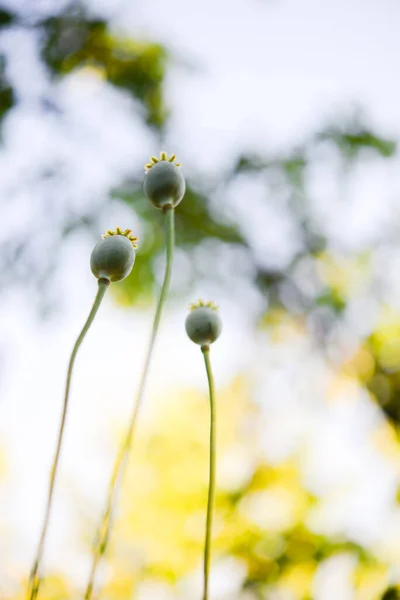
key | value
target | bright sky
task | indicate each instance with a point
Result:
(266, 73)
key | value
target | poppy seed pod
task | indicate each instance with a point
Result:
(113, 258)
(203, 323)
(164, 184)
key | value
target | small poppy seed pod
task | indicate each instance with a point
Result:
(113, 258)
(203, 323)
(164, 184)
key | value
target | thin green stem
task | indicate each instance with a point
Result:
(211, 485)
(103, 532)
(34, 580)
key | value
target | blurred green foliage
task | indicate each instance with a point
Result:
(384, 378)
(73, 41)
(391, 594)
(357, 139)
(7, 98)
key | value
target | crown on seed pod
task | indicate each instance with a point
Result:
(201, 303)
(163, 156)
(127, 233)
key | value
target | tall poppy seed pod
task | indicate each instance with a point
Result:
(203, 326)
(164, 184)
(113, 258)
(203, 323)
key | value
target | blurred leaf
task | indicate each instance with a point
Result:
(6, 17)
(333, 300)
(384, 382)
(73, 41)
(294, 167)
(7, 98)
(391, 594)
(353, 141)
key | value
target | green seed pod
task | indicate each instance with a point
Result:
(113, 258)
(164, 184)
(203, 323)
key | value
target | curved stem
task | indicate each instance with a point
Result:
(34, 580)
(211, 485)
(103, 532)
